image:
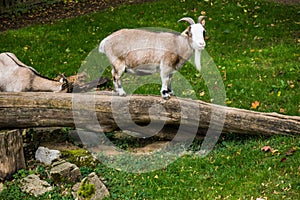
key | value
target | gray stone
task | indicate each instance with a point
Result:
(32, 184)
(63, 171)
(46, 155)
(100, 191)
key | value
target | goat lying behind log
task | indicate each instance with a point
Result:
(144, 52)
(15, 76)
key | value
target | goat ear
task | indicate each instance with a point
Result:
(187, 32)
(201, 20)
(63, 80)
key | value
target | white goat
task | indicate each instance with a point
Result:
(144, 52)
(15, 76)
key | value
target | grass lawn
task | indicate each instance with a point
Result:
(255, 45)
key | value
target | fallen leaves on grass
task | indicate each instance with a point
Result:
(283, 159)
(254, 105)
(279, 93)
(228, 102)
(282, 110)
(291, 151)
(269, 148)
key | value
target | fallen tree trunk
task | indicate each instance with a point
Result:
(24, 110)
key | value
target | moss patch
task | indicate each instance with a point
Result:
(86, 190)
(79, 157)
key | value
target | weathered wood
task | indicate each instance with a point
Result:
(11, 153)
(23, 110)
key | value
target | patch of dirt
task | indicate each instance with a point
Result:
(50, 13)
(61, 146)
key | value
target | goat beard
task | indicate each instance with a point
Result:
(198, 59)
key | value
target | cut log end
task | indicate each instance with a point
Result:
(11, 153)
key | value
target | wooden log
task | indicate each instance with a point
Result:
(11, 153)
(24, 110)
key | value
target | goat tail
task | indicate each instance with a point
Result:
(101, 48)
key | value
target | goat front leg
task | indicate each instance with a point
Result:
(170, 91)
(166, 75)
(116, 75)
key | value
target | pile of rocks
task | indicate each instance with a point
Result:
(61, 171)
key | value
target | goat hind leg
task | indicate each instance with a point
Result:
(117, 81)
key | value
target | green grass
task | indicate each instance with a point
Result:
(236, 169)
(255, 43)
(255, 46)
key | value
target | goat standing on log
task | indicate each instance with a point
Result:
(144, 52)
(15, 76)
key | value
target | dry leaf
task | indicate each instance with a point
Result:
(228, 102)
(283, 159)
(202, 94)
(273, 151)
(267, 148)
(279, 93)
(291, 151)
(254, 105)
(291, 84)
(275, 192)
(282, 110)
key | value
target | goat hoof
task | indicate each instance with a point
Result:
(170, 92)
(166, 96)
(122, 94)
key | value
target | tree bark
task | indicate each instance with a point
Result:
(11, 153)
(24, 110)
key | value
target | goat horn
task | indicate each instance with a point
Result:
(200, 18)
(187, 19)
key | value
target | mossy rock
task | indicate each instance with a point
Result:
(79, 157)
(86, 189)
(90, 188)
